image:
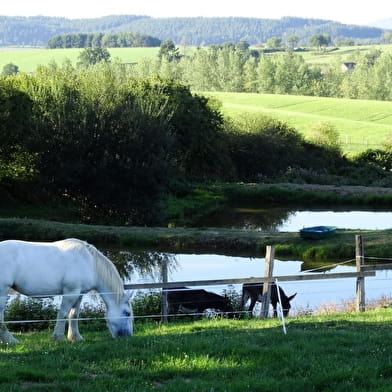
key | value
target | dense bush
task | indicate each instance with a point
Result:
(111, 142)
(262, 147)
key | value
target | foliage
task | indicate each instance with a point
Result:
(168, 51)
(94, 55)
(325, 135)
(261, 146)
(36, 312)
(100, 40)
(9, 69)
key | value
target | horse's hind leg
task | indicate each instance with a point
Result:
(73, 327)
(5, 335)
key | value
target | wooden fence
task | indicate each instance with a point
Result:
(362, 272)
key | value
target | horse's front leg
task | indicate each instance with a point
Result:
(5, 335)
(68, 301)
(73, 327)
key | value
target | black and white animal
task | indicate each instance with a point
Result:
(185, 300)
(254, 291)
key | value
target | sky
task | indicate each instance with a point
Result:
(345, 11)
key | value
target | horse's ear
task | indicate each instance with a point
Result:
(128, 296)
(291, 297)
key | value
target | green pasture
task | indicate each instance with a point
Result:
(336, 352)
(28, 59)
(344, 53)
(361, 124)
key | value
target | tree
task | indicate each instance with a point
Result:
(169, 51)
(293, 41)
(320, 40)
(10, 69)
(91, 56)
(274, 43)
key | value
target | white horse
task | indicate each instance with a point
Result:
(69, 268)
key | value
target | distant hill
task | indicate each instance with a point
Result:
(37, 30)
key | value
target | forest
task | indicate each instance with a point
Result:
(38, 30)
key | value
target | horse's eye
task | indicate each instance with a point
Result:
(126, 314)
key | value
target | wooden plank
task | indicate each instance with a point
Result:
(268, 272)
(377, 267)
(360, 286)
(217, 282)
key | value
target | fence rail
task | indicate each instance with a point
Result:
(217, 282)
(363, 271)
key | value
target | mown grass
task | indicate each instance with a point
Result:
(28, 59)
(361, 124)
(336, 352)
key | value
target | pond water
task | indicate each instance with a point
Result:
(311, 295)
(294, 219)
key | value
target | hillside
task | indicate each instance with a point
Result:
(37, 30)
(361, 124)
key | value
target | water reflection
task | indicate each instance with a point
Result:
(140, 266)
(146, 265)
(295, 218)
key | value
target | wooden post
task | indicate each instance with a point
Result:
(360, 261)
(165, 306)
(268, 271)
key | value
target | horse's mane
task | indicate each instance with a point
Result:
(103, 267)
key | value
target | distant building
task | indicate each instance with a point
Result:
(348, 67)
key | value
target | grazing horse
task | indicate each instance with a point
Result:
(185, 300)
(69, 268)
(254, 291)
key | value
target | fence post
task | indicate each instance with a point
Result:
(360, 261)
(268, 271)
(165, 306)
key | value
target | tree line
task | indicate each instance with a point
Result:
(101, 40)
(238, 68)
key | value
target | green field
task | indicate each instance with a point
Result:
(337, 352)
(28, 59)
(345, 53)
(361, 124)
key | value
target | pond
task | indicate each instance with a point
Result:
(294, 219)
(311, 295)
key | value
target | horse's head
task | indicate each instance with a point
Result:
(119, 318)
(286, 303)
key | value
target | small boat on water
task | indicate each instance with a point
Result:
(317, 232)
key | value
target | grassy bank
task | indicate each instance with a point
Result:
(337, 352)
(234, 241)
(220, 241)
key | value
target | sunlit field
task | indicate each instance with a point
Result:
(361, 124)
(28, 59)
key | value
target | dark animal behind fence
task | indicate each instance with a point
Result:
(185, 300)
(254, 291)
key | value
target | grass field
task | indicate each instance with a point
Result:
(345, 53)
(361, 124)
(28, 59)
(337, 352)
